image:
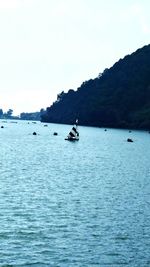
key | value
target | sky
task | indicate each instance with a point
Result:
(49, 46)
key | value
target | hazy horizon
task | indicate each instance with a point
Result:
(49, 46)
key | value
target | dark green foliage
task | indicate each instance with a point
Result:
(9, 113)
(118, 97)
(35, 116)
(1, 113)
(6, 115)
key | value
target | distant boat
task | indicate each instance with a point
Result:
(129, 140)
(74, 134)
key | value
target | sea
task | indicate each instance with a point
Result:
(73, 204)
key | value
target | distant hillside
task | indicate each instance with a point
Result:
(119, 97)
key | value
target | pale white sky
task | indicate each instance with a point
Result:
(47, 46)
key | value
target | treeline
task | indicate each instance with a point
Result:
(118, 97)
(6, 115)
(36, 116)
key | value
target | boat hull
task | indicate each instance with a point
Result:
(72, 139)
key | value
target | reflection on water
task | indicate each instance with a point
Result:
(73, 204)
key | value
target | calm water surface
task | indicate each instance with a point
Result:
(77, 204)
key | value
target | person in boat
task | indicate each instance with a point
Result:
(74, 134)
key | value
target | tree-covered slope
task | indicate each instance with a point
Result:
(119, 97)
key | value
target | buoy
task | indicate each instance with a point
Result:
(2, 126)
(34, 133)
(129, 140)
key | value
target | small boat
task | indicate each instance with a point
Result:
(129, 140)
(74, 134)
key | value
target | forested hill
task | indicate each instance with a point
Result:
(119, 97)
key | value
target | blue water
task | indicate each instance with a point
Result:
(77, 204)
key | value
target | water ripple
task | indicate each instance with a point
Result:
(78, 205)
